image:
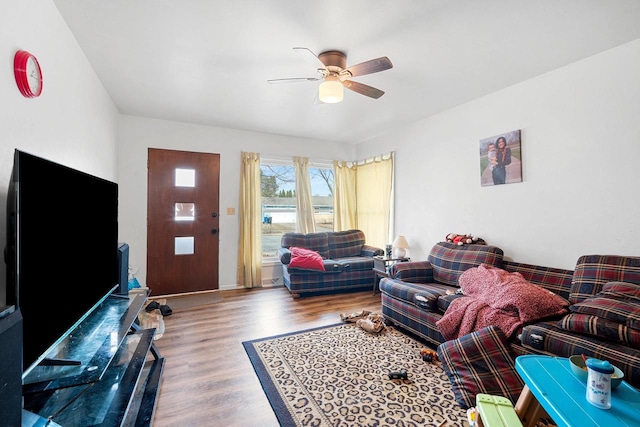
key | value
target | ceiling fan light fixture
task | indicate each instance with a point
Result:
(331, 90)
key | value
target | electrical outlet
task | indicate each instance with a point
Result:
(231, 211)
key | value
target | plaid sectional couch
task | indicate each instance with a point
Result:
(603, 319)
(348, 262)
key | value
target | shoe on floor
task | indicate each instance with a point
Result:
(165, 310)
(152, 306)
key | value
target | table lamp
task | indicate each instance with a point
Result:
(400, 245)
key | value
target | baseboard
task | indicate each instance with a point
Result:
(272, 274)
(273, 281)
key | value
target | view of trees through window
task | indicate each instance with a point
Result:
(278, 185)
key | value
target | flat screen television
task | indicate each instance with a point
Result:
(61, 250)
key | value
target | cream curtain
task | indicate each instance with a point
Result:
(250, 245)
(373, 192)
(305, 222)
(363, 198)
(344, 196)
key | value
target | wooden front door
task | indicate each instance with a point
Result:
(182, 221)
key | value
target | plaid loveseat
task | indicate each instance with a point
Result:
(417, 293)
(347, 259)
(603, 292)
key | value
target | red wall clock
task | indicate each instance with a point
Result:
(28, 74)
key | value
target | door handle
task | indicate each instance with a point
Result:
(214, 230)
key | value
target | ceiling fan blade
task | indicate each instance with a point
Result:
(309, 56)
(294, 80)
(363, 89)
(368, 67)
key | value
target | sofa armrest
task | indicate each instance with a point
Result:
(423, 295)
(284, 255)
(371, 251)
(412, 271)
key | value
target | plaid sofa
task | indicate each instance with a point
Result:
(603, 290)
(347, 259)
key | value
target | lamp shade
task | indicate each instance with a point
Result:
(400, 245)
(331, 90)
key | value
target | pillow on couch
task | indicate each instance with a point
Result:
(624, 289)
(600, 327)
(617, 302)
(318, 242)
(480, 362)
(344, 244)
(613, 314)
(305, 259)
(592, 272)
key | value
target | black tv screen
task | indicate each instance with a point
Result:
(61, 252)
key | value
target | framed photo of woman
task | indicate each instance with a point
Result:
(501, 159)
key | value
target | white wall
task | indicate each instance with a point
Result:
(581, 148)
(73, 122)
(138, 134)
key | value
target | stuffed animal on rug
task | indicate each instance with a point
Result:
(373, 323)
(429, 355)
(354, 317)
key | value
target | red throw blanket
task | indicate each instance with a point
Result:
(496, 297)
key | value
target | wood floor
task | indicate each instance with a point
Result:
(208, 379)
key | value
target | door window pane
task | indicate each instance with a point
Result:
(185, 178)
(185, 211)
(184, 245)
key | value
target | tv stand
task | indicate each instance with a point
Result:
(118, 378)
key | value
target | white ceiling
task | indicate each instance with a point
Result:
(208, 61)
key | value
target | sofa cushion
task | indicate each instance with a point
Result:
(480, 362)
(592, 272)
(449, 261)
(345, 243)
(614, 304)
(330, 267)
(600, 327)
(315, 241)
(305, 259)
(437, 299)
(623, 289)
(445, 301)
(548, 338)
(407, 291)
(426, 300)
(357, 263)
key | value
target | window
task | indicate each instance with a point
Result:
(279, 200)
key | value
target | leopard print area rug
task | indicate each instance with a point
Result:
(339, 376)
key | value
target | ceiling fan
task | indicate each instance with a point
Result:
(335, 75)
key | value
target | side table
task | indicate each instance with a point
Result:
(551, 385)
(381, 266)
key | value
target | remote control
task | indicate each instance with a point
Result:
(398, 375)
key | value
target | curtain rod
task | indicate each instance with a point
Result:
(268, 158)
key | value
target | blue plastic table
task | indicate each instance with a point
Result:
(551, 384)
